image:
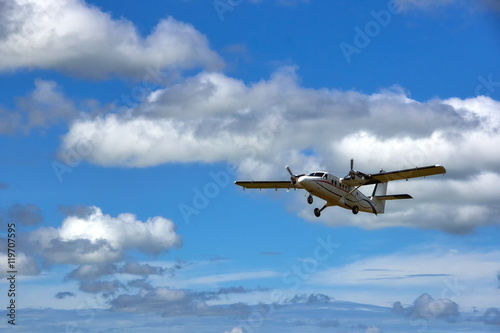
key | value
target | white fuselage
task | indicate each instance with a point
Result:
(331, 189)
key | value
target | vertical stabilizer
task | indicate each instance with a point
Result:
(379, 190)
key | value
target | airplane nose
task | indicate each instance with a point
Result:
(303, 182)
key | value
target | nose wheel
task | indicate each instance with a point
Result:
(310, 199)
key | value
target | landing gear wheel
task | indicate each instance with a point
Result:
(310, 199)
(355, 210)
(317, 212)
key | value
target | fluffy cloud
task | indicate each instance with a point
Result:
(42, 108)
(426, 307)
(262, 126)
(212, 117)
(46, 105)
(100, 238)
(78, 38)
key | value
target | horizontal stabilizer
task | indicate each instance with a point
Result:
(393, 197)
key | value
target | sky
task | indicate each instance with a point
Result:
(124, 124)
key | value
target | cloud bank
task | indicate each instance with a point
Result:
(211, 117)
(79, 39)
(465, 277)
(101, 238)
(262, 126)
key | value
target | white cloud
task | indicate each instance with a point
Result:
(46, 105)
(100, 238)
(212, 117)
(77, 38)
(43, 107)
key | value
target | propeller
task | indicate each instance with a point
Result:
(293, 177)
(353, 173)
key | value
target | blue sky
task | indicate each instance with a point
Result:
(123, 127)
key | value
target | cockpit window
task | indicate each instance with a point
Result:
(317, 174)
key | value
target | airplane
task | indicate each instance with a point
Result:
(344, 192)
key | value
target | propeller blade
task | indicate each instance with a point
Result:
(293, 177)
(352, 172)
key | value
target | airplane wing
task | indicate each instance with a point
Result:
(265, 184)
(384, 177)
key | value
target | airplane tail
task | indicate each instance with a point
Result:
(379, 192)
(379, 197)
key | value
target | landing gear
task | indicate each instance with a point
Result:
(318, 211)
(310, 199)
(355, 210)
